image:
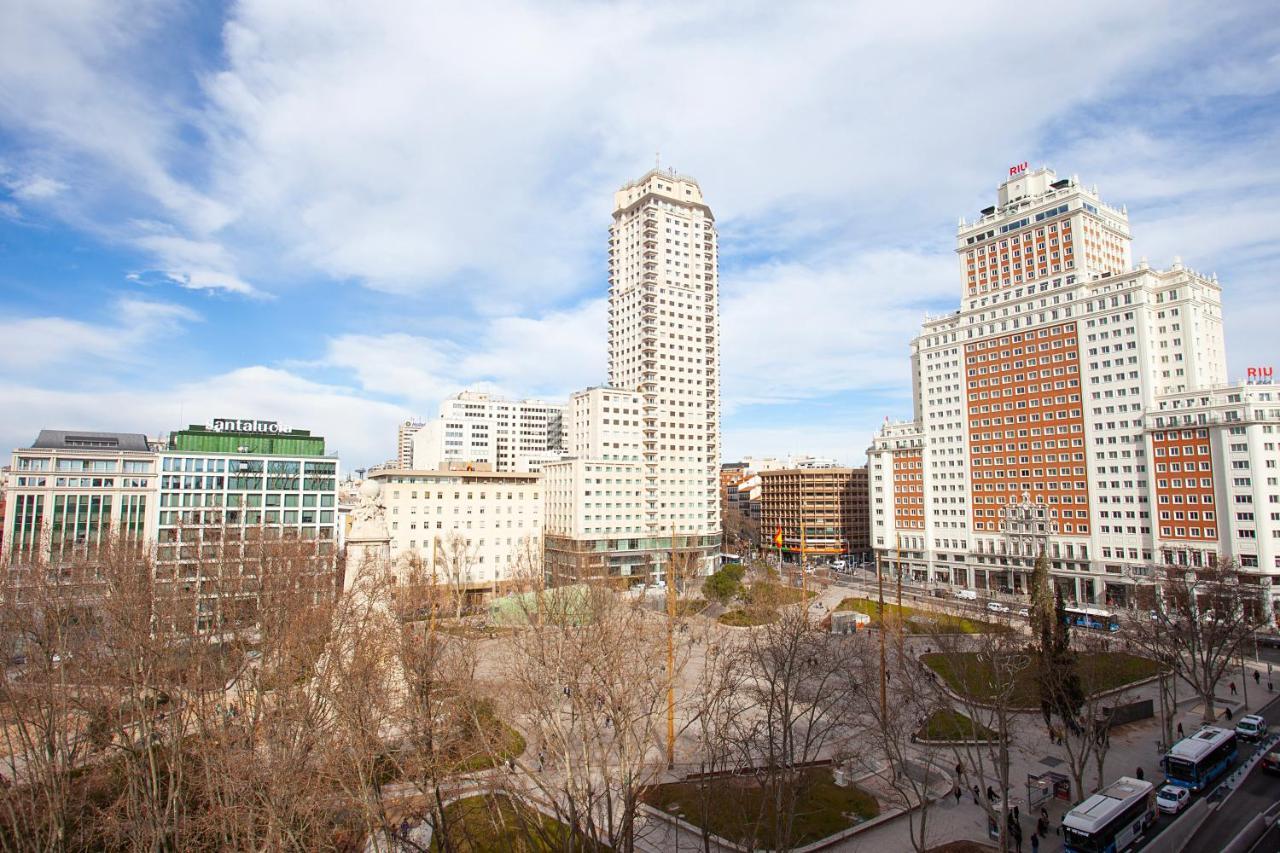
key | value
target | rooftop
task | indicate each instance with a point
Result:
(61, 439)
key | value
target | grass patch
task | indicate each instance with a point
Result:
(485, 823)
(741, 810)
(741, 618)
(919, 621)
(953, 726)
(969, 674)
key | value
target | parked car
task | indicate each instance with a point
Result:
(1271, 761)
(1172, 799)
(997, 607)
(1024, 612)
(1251, 727)
(839, 565)
(1269, 640)
(967, 594)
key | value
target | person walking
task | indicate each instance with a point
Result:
(1232, 685)
(991, 793)
(1035, 843)
(1139, 774)
(975, 795)
(959, 769)
(956, 792)
(1257, 677)
(1180, 733)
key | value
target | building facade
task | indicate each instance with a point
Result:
(507, 435)
(1053, 392)
(70, 493)
(238, 502)
(664, 343)
(472, 530)
(404, 442)
(821, 512)
(595, 521)
(218, 509)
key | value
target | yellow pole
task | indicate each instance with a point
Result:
(884, 687)
(899, 614)
(671, 653)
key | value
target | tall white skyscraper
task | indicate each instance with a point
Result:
(664, 342)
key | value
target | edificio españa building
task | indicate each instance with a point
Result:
(1083, 394)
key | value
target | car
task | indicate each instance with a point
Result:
(997, 607)
(1251, 727)
(1172, 799)
(1271, 641)
(967, 594)
(1271, 761)
(839, 565)
(1024, 612)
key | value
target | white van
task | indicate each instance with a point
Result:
(839, 565)
(967, 594)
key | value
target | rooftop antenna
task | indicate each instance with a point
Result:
(657, 161)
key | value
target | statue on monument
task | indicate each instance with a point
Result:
(369, 518)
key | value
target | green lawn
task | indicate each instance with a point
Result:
(920, 621)
(969, 674)
(952, 725)
(736, 808)
(741, 618)
(481, 824)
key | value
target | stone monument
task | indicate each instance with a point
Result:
(368, 542)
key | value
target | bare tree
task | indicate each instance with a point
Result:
(910, 766)
(453, 559)
(1199, 618)
(986, 673)
(587, 678)
(798, 687)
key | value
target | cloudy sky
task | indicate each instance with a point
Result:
(333, 215)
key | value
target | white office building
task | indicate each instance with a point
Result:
(506, 435)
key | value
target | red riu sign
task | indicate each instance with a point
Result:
(1259, 375)
(1018, 169)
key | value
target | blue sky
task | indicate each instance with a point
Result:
(333, 215)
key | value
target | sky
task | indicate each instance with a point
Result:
(333, 215)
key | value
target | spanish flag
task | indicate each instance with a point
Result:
(777, 537)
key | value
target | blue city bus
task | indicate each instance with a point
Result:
(1093, 618)
(1196, 761)
(1112, 820)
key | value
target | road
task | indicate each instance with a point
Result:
(1257, 792)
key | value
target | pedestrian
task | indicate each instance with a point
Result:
(1017, 818)
(956, 791)
(1270, 686)
(1229, 714)
(1035, 843)
(974, 791)
(959, 769)
(1180, 734)
(1139, 774)
(1257, 677)
(404, 829)
(991, 793)
(1232, 685)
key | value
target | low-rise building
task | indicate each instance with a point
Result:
(822, 513)
(472, 530)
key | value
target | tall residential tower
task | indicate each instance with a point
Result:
(664, 342)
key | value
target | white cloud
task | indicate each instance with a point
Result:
(40, 343)
(551, 356)
(36, 188)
